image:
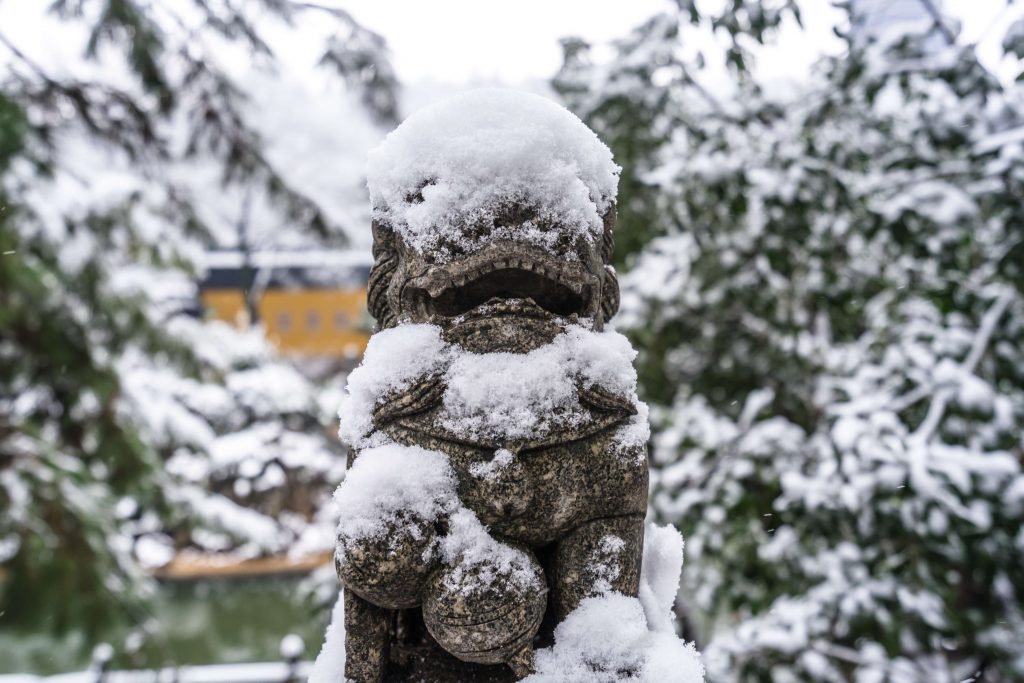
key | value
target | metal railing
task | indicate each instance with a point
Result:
(292, 669)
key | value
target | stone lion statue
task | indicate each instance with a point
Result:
(502, 427)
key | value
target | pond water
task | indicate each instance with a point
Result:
(200, 622)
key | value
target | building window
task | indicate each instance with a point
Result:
(342, 321)
(312, 320)
(284, 322)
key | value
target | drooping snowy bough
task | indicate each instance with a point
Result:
(492, 518)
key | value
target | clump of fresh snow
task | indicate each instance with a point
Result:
(659, 576)
(492, 468)
(154, 550)
(602, 359)
(464, 160)
(513, 396)
(607, 640)
(393, 489)
(636, 431)
(393, 360)
(394, 485)
(510, 395)
(292, 646)
(612, 638)
(502, 396)
(329, 666)
(102, 654)
(473, 553)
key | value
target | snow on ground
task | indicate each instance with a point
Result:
(461, 161)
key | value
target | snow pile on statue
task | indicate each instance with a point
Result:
(492, 519)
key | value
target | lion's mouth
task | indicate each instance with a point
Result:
(504, 281)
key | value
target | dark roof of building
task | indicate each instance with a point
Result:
(286, 270)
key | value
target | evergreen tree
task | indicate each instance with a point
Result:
(831, 330)
(117, 415)
(648, 92)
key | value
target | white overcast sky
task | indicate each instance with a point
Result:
(516, 41)
(451, 44)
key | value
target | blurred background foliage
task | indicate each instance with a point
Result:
(121, 416)
(824, 280)
(825, 288)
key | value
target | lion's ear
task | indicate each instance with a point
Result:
(610, 283)
(385, 261)
(608, 236)
(609, 294)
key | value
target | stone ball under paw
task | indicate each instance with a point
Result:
(483, 614)
(389, 570)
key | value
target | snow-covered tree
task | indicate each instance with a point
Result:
(832, 326)
(127, 430)
(651, 88)
(248, 451)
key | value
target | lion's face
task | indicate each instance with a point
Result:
(508, 295)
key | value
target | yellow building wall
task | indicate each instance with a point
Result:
(311, 322)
